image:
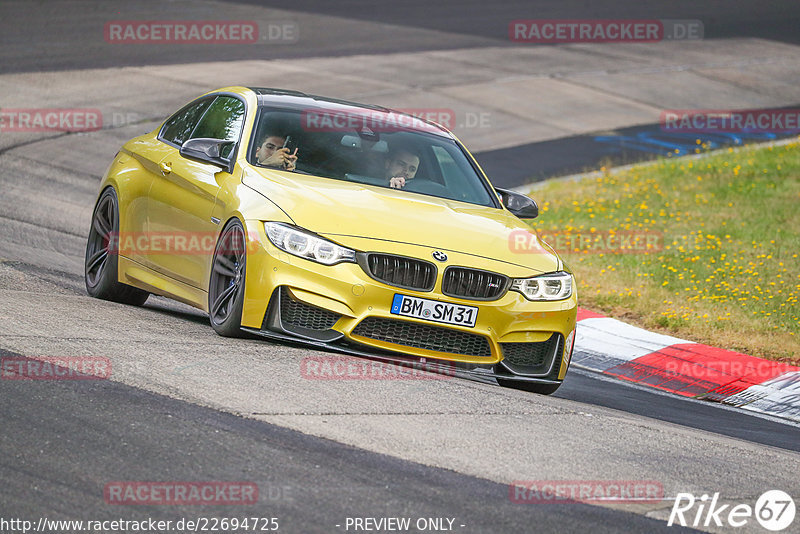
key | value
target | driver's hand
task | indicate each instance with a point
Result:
(281, 158)
(290, 161)
(397, 182)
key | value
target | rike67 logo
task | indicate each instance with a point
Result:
(774, 510)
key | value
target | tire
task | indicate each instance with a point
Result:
(101, 265)
(226, 284)
(541, 389)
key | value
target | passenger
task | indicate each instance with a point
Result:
(272, 153)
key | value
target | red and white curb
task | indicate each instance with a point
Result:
(626, 352)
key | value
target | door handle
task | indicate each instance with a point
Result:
(166, 168)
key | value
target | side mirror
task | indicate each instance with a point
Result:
(214, 151)
(518, 204)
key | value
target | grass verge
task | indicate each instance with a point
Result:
(704, 249)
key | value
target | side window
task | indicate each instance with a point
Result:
(223, 120)
(178, 128)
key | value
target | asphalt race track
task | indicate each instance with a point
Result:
(310, 484)
(184, 404)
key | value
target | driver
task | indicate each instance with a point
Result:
(401, 166)
(272, 153)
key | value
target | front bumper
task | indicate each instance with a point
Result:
(342, 308)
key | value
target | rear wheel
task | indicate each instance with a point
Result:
(226, 286)
(533, 387)
(101, 260)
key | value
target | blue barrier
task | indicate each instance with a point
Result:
(679, 143)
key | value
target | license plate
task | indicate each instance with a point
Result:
(433, 310)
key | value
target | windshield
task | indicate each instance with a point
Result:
(373, 148)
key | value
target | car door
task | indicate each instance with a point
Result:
(135, 168)
(141, 160)
(182, 198)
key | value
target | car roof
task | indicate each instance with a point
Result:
(287, 98)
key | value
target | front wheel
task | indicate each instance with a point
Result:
(226, 286)
(101, 260)
(533, 387)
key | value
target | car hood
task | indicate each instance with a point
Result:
(338, 209)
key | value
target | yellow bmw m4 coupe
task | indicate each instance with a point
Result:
(344, 226)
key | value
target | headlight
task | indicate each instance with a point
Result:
(306, 245)
(554, 286)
